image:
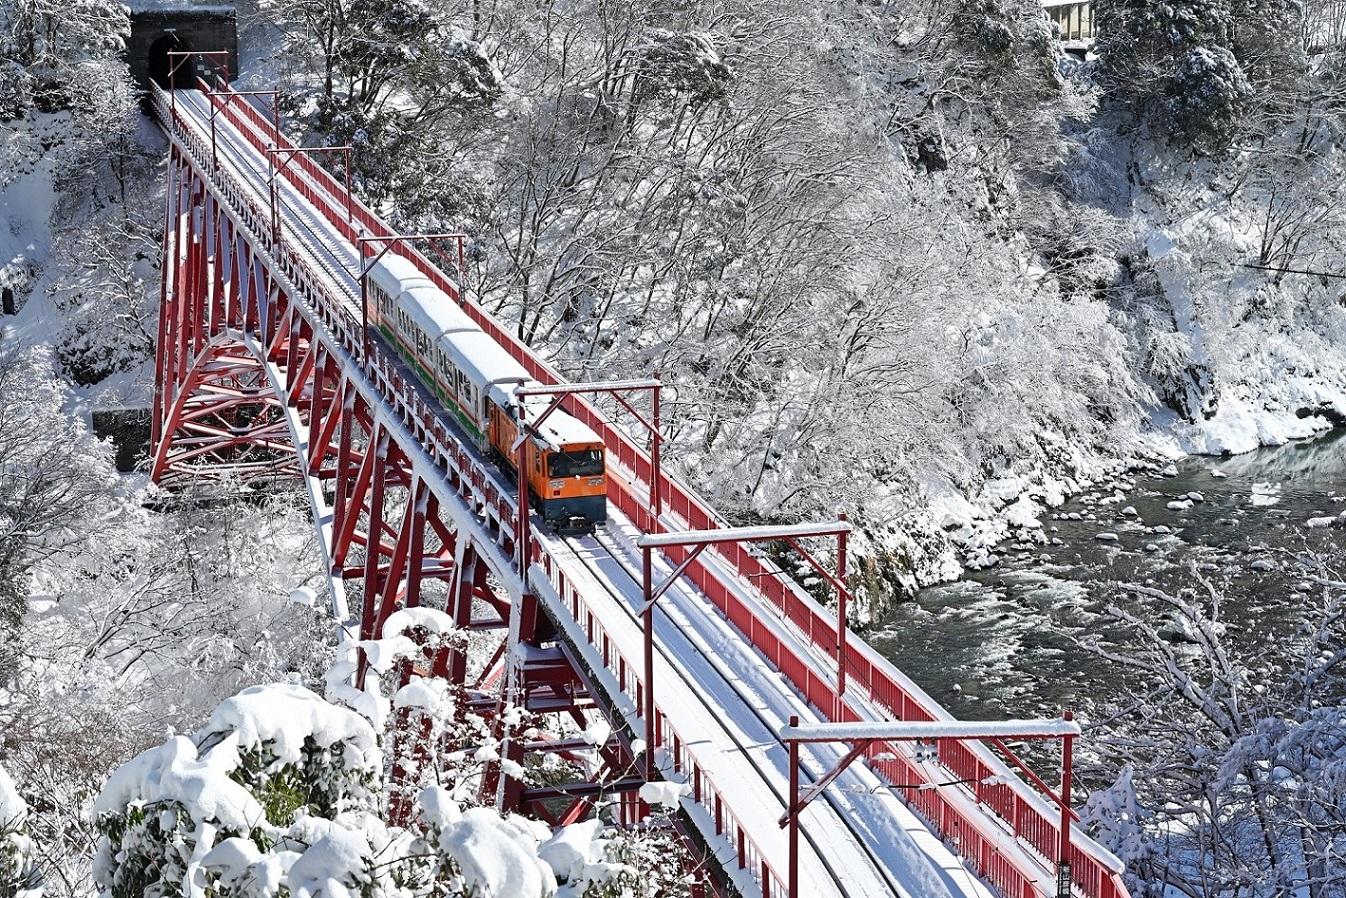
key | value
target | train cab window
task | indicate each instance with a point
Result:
(575, 463)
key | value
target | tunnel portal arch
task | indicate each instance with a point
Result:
(155, 30)
(161, 64)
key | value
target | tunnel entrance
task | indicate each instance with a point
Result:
(159, 27)
(161, 64)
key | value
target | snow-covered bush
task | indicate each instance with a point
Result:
(277, 794)
(19, 876)
(267, 761)
(611, 863)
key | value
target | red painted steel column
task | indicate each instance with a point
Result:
(647, 619)
(792, 876)
(462, 588)
(521, 525)
(165, 297)
(656, 490)
(378, 447)
(841, 621)
(1063, 873)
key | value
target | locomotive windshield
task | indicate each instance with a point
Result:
(575, 463)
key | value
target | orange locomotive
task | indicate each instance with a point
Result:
(475, 378)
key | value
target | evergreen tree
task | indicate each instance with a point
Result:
(1204, 70)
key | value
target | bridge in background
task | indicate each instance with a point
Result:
(265, 371)
(1324, 24)
(1075, 20)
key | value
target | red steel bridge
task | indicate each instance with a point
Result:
(811, 766)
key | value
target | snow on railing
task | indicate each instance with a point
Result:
(1095, 871)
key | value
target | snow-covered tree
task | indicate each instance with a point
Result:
(1232, 766)
(51, 474)
(1203, 69)
(45, 44)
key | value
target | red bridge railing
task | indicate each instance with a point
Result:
(964, 818)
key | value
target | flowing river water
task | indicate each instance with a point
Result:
(1002, 642)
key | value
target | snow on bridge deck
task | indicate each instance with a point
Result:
(717, 692)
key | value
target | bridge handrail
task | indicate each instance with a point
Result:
(1027, 814)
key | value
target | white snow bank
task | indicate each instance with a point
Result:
(173, 772)
(1239, 426)
(284, 715)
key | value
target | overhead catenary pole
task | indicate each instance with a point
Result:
(656, 470)
(647, 710)
(861, 736)
(1063, 873)
(697, 541)
(228, 96)
(288, 154)
(792, 811)
(521, 531)
(842, 595)
(182, 56)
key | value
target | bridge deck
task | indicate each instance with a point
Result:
(714, 688)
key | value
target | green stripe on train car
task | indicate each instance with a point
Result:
(428, 379)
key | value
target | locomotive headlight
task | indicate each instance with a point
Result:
(557, 484)
(595, 481)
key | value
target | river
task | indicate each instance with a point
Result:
(1000, 642)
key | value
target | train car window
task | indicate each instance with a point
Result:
(575, 463)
